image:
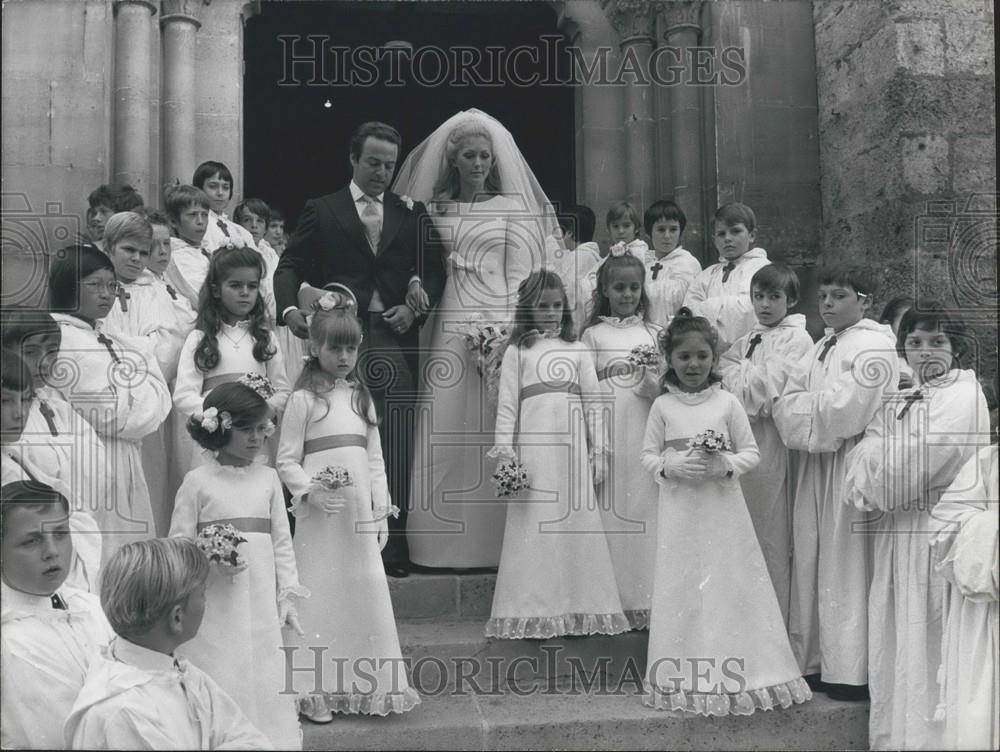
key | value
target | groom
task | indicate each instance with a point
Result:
(382, 248)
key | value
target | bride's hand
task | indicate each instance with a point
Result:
(399, 318)
(416, 297)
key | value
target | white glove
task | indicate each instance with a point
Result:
(288, 616)
(683, 465)
(716, 466)
(382, 533)
(600, 464)
(323, 499)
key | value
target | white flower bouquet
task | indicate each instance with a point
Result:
(711, 442)
(220, 544)
(645, 356)
(510, 478)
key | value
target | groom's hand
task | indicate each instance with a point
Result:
(399, 318)
(296, 321)
(416, 297)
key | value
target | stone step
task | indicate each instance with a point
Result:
(590, 721)
(426, 596)
(455, 654)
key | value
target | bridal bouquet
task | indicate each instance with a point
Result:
(487, 340)
(510, 478)
(220, 544)
(711, 442)
(333, 477)
(644, 356)
(260, 384)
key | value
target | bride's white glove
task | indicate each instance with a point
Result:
(683, 466)
(416, 297)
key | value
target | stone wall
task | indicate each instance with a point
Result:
(907, 148)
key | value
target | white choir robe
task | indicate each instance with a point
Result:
(911, 453)
(823, 410)
(188, 269)
(235, 359)
(44, 656)
(727, 305)
(85, 569)
(124, 401)
(183, 310)
(149, 313)
(964, 532)
(572, 267)
(756, 381)
(237, 235)
(136, 698)
(667, 281)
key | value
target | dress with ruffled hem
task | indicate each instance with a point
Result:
(782, 695)
(546, 627)
(380, 704)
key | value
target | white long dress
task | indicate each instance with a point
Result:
(455, 519)
(556, 576)
(717, 642)
(349, 616)
(628, 496)
(965, 538)
(240, 639)
(907, 459)
(114, 382)
(756, 381)
(823, 411)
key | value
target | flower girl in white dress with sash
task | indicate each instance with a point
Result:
(556, 576)
(240, 640)
(330, 424)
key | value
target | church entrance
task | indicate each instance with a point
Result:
(315, 70)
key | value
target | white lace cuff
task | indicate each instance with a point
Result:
(501, 453)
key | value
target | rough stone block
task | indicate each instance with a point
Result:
(927, 105)
(78, 131)
(841, 26)
(969, 44)
(25, 121)
(974, 164)
(925, 163)
(920, 46)
(423, 596)
(935, 8)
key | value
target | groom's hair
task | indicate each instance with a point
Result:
(375, 129)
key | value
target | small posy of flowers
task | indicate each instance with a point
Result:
(333, 300)
(211, 419)
(710, 441)
(220, 544)
(644, 356)
(510, 478)
(487, 340)
(260, 384)
(333, 477)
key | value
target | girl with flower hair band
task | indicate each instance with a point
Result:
(240, 640)
(330, 438)
(231, 338)
(717, 641)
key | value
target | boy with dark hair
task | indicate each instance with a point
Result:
(672, 270)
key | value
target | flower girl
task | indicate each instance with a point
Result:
(234, 506)
(231, 336)
(330, 457)
(623, 342)
(556, 576)
(717, 641)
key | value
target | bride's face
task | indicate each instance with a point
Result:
(473, 161)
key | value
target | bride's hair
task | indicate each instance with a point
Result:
(447, 186)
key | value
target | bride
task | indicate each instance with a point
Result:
(493, 219)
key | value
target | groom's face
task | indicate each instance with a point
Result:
(373, 169)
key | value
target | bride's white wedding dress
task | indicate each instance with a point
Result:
(455, 519)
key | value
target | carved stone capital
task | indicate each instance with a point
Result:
(680, 15)
(633, 20)
(182, 10)
(150, 5)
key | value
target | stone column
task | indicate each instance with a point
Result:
(600, 138)
(634, 20)
(179, 20)
(680, 21)
(133, 57)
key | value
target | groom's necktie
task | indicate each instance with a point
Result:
(372, 222)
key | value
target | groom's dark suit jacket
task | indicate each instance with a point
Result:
(329, 245)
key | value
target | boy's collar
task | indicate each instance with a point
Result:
(141, 657)
(17, 603)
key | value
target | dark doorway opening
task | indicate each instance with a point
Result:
(300, 55)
